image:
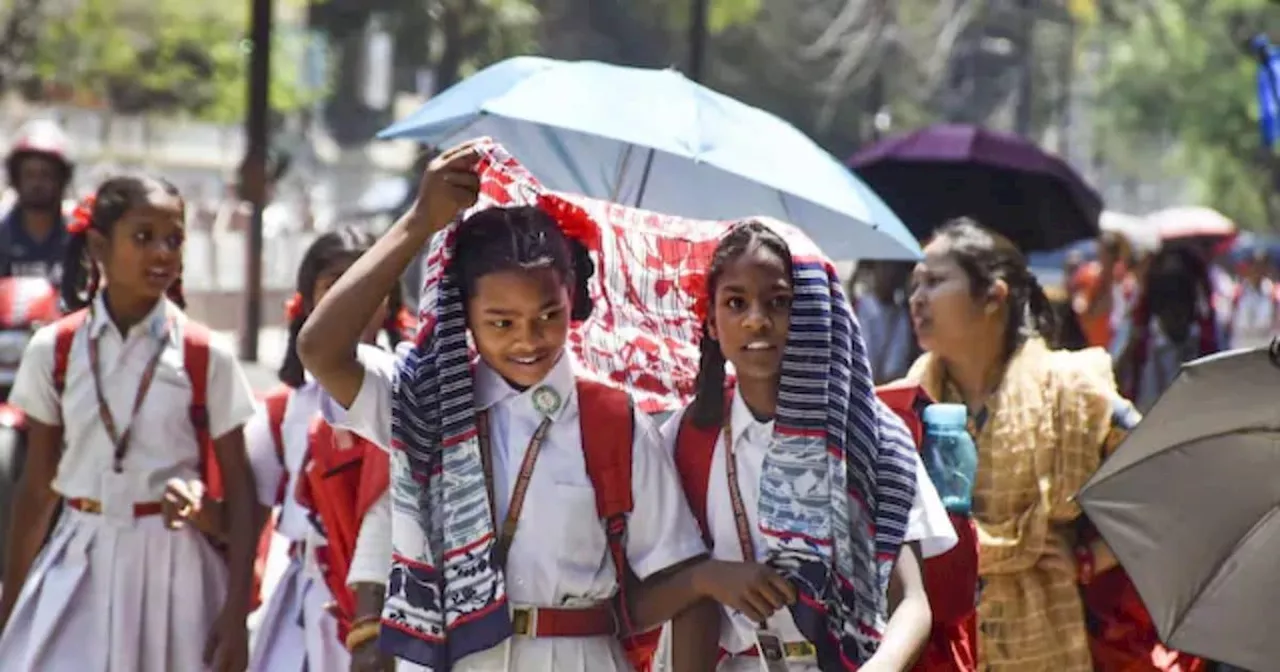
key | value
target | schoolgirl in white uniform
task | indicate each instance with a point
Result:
(298, 633)
(750, 301)
(520, 289)
(114, 590)
(298, 629)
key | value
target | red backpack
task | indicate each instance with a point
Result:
(951, 579)
(608, 428)
(344, 475)
(276, 402)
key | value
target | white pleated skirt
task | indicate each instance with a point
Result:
(106, 596)
(297, 633)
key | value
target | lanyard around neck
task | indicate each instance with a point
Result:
(507, 533)
(120, 441)
(740, 520)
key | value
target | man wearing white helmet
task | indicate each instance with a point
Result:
(33, 234)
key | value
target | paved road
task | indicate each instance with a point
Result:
(272, 342)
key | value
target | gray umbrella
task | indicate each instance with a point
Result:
(1189, 502)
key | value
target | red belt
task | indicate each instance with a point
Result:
(597, 621)
(140, 509)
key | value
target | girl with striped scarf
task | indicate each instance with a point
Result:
(502, 561)
(756, 461)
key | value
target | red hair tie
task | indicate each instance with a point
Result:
(694, 284)
(405, 323)
(82, 216)
(293, 308)
(573, 220)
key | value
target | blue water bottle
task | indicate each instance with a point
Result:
(950, 455)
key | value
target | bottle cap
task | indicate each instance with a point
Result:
(947, 415)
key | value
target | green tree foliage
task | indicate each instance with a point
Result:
(165, 56)
(1176, 72)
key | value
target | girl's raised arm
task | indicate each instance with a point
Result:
(327, 343)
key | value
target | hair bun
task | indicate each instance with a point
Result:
(583, 270)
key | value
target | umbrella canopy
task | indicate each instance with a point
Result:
(1004, 181)
(1192, 222)
(1189, 503)
(654, 139)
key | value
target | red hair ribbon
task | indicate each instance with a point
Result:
(573, 220)
(293, 307)
(82, 216)
(405, 323)
(694, 285)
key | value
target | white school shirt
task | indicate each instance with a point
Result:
(559, 556)
(163, 446)
(302, 408)
(371, 560)
(294, 523)
(927, 524)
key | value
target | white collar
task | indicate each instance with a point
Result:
(742, 420)
(158, 323)
(492, 389)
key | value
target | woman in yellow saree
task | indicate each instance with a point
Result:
(1042, 420)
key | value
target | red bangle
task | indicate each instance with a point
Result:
(1084, 564)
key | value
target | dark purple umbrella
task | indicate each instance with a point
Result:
(1000, 179)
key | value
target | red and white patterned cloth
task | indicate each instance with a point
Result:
(650, 277)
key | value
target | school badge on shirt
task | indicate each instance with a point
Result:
(546, 400)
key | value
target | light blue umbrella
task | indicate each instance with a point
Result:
(655, 140)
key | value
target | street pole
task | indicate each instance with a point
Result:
(697, 39)
(253, 172)
(1024, 107)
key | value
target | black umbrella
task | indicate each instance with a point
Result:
(1002, 180)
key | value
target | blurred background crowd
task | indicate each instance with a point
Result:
(160, 84)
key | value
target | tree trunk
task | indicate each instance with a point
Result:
(1024, 111)
(17, 42)
(452, 50)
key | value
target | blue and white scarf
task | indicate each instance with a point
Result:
(836, 447)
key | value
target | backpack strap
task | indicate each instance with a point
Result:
(695, 448)
(607, 439)
(277, 402)
(195, 359)
(908, 400)
(64, 335)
